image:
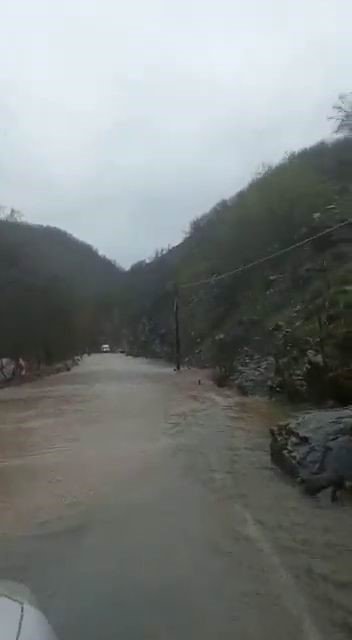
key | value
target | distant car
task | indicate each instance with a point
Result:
(105, 348)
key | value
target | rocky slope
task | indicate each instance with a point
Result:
(282, 327)
(304, 349)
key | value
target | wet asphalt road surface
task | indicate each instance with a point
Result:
(138, 504)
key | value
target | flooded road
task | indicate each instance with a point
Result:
(136, 503)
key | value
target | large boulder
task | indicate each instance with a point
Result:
(7, 369)
(315, 448)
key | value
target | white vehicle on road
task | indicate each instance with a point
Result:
(105, 348)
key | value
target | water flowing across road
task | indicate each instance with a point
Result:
(137, 503)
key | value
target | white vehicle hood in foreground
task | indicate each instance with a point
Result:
(19, 617)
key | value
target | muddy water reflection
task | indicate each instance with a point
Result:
(38, 436)
(312, 536)
(137, 503)
(307, 539)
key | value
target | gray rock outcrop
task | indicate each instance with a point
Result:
(316, 449)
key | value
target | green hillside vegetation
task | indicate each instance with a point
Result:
(284, 325)
(57, 293)
(305, 293)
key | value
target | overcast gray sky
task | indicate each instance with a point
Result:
(122, 121)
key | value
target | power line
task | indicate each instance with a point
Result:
(255, 263)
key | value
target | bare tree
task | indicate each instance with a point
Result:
(343, 114)
(11, 215)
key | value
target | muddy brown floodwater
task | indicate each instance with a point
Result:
(138, 504)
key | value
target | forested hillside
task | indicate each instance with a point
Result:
(284, 325)
(293, 308)
(58, 295)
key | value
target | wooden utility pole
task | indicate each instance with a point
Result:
(177, 330)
